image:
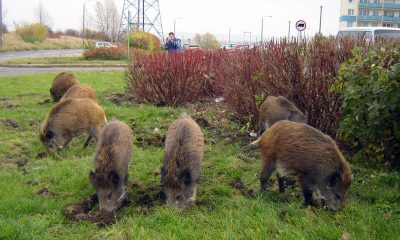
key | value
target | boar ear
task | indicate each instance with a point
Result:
(334, 179)
(186, 177)
(49, 134)
(114, 178)
(92, 175)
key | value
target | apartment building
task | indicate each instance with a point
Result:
(370, 13)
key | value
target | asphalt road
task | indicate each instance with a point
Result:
(4, 56)
(15, 71)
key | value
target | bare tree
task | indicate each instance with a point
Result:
(42, 15)
(107, 19)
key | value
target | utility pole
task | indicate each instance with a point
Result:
(229, 39)
(320, 19)
(83, 25)
(128, 33)
(262, 26)
(289, 32)
(1, 24)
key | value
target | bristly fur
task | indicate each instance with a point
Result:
(61, 83)
(80, 91)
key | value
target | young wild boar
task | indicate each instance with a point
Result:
(61, 83)
(274, 109)
(113, 154)
(184, 150)
(70, 118)
(301, 151)
(80, 91)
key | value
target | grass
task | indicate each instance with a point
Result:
(223, 211)
(63, 61)
(12, 42)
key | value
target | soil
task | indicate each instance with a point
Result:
(11, 106)
(120, 98)
(46, 192)
(148, 196)
(155, 140)
(10, 123)
(239, 185)
(45, 101)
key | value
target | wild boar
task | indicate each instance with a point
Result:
(278, 108)
(61, 83)
(70, 118)
(301, 151)
(111, 162)
(80, 91)
(183, 154)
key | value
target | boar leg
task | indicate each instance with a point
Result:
(268, 168)
(281, 183)
(88, 140)
(67, 141)
(307, 184)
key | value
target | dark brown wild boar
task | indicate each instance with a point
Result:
(278, 108)
(111, 162)
(305, 153)
(80, 91)
(70, 118)
(61, 83)
(183, 154)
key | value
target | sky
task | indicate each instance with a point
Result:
(199, 16)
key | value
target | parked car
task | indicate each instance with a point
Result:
(369, 33)
(104, 44)
(188, 46)
(242, 46)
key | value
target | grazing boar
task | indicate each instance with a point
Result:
(61, 83)
(303, 152)
(275, 109)
(80, 91)
(184, 150)
(70, 118)
(112, 158)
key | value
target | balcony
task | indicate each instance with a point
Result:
(391, 19)
(391, 6)
(370, 5)
(369, 18)
(348, 18)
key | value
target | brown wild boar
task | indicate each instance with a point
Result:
(274, 109)
(70, 118)
(111, 162)
(61, 83)
(183, 154)
(80, 91)
(305, 153)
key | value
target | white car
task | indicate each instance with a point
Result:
(104, 44)
(188, 46)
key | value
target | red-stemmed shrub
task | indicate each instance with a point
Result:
(110, 53)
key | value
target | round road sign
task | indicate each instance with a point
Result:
(301, 25)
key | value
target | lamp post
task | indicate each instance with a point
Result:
(83, 22)
(262, 27)
(320, 20)
(175, 23)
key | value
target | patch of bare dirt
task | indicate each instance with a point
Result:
(120, 98)
(147, 196)
(45, 101)
(46, 192)
(11, 106)
(10, 123)
(241, 188)
(153, 140)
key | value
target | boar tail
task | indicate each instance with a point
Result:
(255, 144)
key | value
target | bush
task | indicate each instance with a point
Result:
(33, 32)
(303, 72)
(144, 40)
(369, 88)
(169, 79)
(72, 32)
(111, 53)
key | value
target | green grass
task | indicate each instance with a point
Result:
(223, 212)
(63, 61)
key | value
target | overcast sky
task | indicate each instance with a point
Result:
(200, 16)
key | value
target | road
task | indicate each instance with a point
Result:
(4, 56)
(15, 71)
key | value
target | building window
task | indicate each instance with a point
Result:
(390, 1)
(363, 24)
(364, 12)
(349, 24)
(376, 1)
(388, 14)
(350, 1)
(387, 25)
(350, 12)
(364, 1)
(375, 13)
(375, 24)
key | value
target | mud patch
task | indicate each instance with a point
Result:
(45, 101)
(241, 189)
(86, 211)
(11, 106)
(46, 192)
(120, 98)
(148, 196)
(10, 123)
(42, 155)
(154, 140)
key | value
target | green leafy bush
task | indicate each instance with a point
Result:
(144, 40)
(369, 88)
(33, 32)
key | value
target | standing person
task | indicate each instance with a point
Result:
(173, 44)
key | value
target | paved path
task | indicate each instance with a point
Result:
(14, 71)
(4, 56)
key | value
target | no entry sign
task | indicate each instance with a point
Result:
(301, 25)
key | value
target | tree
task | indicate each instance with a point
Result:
(42, 15)
(207, 41)
(107, 19)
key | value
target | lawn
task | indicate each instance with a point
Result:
(63, 61)
(229, 206)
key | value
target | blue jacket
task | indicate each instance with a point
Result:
(174, 45)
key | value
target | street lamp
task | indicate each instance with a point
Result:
(262, 26)
(175, 23)
(83, 21)
(244, 34)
